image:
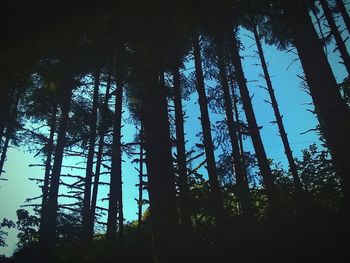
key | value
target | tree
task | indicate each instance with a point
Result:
(324, 91)
(253, 127)
(335, 32)
(278, 116)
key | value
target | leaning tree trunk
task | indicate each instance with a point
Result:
(344, 13)
(115, 207)
(9, 128)
(288, 151)
(87, 216)
(254, 130)
(239, 132)
(102, 132)
(331, 109)
(49, 214)
(240, 171)
(185, 216)
(335, 32)
(215, 195)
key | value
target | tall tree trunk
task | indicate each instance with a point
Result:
(240, 171)
(115, 208)
(344, 13)
(215, 195)
(332, 111)
(335, 32)
(140, 192)
(239, 132)
(102, 132)
(49, 215)
(50, 147)
(254, 131)
(184, 196)
(278, 116)
(161, 180)
(87, 216)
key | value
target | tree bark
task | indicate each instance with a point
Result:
(184, 196)
(254, 130)
(332, 111)
(344, 13)
(335, 32)
(278, 116)
(87, 215)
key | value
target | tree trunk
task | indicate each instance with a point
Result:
(115, 208)
(46, 184)
(4, 150)
(278, 116)
(87, 216)
(140, 198)
(239, 132)
(161, 180)
(335, 32)
(254, 130)
(240, 171)
(12, 112)
(102, 132)
(49, 215)
(344, 13)
(332, 111)
(184, 196)
(216, 195)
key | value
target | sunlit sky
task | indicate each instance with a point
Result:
(293, 102)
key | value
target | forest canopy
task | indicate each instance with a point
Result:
(73, 74)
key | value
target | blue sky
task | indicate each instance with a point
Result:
(293, 102)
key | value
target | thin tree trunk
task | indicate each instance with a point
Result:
(318, 22)
(344, 13)
(239, 132)
(49, 215)
(278, 116)
(240, 171)
(87, 216)
(263, 162)
(115, 208)
(184, 196)
(46, 184)
(332, 111)
(216, 195)
(9, 129)
(4, 150)
(335, 32)
(140, 198)
(102, 132)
